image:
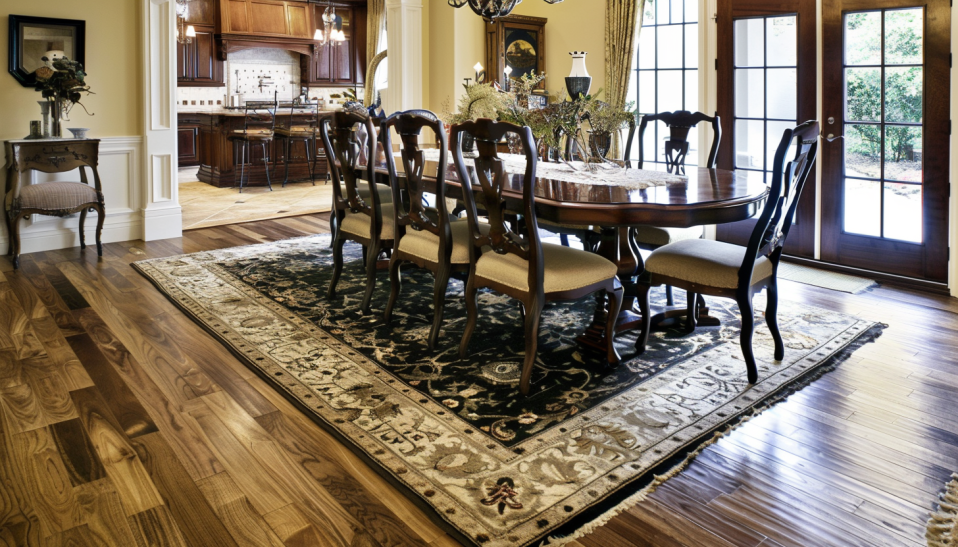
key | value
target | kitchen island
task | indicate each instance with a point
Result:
(203, 141)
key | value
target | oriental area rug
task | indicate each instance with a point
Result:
(494, 467)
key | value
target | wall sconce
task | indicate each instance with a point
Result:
(480, 74)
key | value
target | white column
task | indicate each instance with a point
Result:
(162, 216)
(404, 42)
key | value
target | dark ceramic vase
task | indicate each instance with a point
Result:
(600, 142)
(579, 85)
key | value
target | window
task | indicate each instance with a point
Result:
(665, 72)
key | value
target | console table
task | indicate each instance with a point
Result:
(57, 198)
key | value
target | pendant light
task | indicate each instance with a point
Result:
(329, 35)
(184, 33)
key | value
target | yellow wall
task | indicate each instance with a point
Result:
(574, 25)
(457, 41)
(112, 61)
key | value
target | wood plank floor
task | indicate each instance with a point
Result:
(123, 423)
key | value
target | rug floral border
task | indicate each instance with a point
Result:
(612, 487)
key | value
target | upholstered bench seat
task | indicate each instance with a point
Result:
(357, 224)
(55, 196)
(425, 244)
(705, 262)
(565, 269)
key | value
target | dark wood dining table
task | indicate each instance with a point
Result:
(710, 196)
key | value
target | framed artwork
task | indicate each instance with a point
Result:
(517, 42)
(33, 38)
(537, 101)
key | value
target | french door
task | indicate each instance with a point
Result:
(767, 82)
(886, 115)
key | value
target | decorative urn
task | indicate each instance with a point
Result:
(578, 82)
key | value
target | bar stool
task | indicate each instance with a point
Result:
(258, 114)
(290, 133)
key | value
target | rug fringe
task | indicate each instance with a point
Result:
(942, 529)
(789, 390)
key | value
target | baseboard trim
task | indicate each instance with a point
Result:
(883, 278)
(65, 233)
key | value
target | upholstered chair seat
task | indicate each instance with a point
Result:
(705, 262)
(305, 132)
(55, 196)
(385, 193)
(566, 269)
(653, 236)
(358, 223)
(252, 133)
(425, 244)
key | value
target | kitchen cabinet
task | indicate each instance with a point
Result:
(274, 18)
(196, 62)
(343, 64)
(188, 140)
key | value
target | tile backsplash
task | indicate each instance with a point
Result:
(255, 74)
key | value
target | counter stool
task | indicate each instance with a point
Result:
(290, 133)
(258, 113)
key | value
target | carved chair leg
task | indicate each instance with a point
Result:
(337, 265)
(439, 303)
(310, 163)
(692, 313)
(531, 328)
(100, 217)
(669, 300)
(771, 318)
(83, 213)
(643, 295)
(748, 328)
(615, 306)
(472, 314)
(242, 148)
(372, 256)
(394, 285)
(9, 223)
(15, 241)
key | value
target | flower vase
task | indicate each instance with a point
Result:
(45, 115)
(578, 82)
(600, 142)
(56, 128)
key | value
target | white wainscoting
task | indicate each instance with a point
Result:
(120, 176)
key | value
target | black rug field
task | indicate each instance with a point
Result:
(494, 466)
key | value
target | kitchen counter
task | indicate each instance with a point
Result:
(204, 131)
(240, 112)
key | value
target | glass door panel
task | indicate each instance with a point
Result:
(885, 186)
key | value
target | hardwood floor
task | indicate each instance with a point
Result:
(123, 423)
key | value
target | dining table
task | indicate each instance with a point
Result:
(702, 197)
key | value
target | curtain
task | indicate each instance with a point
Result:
(375, 23)
(622, 26)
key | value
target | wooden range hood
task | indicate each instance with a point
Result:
(280, 24)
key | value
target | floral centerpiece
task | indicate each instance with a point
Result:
(479, 101)
(62, 82)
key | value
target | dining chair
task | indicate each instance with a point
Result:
(425, 236)
(258, 115)
(363, 219)
(715, 268)
(517, 263)
(288, 133)
(676, 152)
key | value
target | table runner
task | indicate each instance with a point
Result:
(579, 172)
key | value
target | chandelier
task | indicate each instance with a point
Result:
(492, 9)
(184, 33)
(328, 35)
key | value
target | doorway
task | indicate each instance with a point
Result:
(885, 161)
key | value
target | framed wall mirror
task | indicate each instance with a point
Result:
(33, 38)
(517, 42)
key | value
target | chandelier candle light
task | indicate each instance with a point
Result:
(578, 82)
(184, 33)
(490, 10)
(329, 35)
(508, 72)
